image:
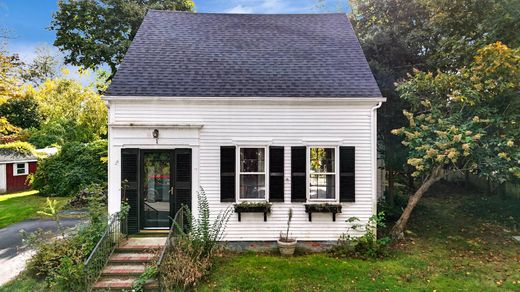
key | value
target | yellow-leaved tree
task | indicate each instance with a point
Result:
(463, 120)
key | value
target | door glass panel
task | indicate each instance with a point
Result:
(157, 189)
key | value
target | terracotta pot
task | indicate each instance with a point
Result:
(287, 248)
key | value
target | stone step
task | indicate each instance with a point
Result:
(131, 258)
(123, 270)
(141, 244)
(151, 233)
(114, 284)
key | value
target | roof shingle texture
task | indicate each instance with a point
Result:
(244, 55)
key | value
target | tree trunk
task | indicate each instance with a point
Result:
(398, 229)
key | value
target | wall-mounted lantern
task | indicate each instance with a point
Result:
(155, 135)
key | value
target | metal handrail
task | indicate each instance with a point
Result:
(177, 222)
(98, 258)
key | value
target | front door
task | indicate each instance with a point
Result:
(157, 188)
(165, 186)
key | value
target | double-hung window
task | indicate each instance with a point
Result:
(21, 169)
(252, 173)
(322, 173)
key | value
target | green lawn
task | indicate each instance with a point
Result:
(21, 206)
(455, 243)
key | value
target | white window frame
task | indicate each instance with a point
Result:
(265, 173)
(15, 168)
(336, 173)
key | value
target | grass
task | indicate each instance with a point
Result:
(458, 240)
(22, 206)
(24, 283)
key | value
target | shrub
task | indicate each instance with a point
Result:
(366, 246)
(191, 255)
(74, 167)
(204, 234)
(181, 267)
(59, 261)
(82, 198)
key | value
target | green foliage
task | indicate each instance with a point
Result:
(93, 33)
(429, 35)
(466, 119)
(52, 210)
(60, 261)
(149, 273)
(73, 168)
(366, 246)
(85, 195)
(21, 112)
(18, 147)
(71, 113)
(204, 234)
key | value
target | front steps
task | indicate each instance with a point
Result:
(129, 261)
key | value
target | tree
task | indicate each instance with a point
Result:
(9, 79)
(463, 120)
(71, 113)
(97, 32)
(398, 36)
(21, 112)
(44, 66)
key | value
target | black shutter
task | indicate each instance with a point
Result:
(276, 164)
(227, 173)
(347, 176)
(130, 186)
(298, 173)
(182, 179)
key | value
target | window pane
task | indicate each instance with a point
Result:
(252, 186)
(252, 159)
(322, 186)
(20, 168)
(322, 160)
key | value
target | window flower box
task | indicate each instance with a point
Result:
(252, 207)
(323, 208)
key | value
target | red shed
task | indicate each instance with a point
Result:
(14, 171)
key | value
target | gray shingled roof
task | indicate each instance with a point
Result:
(10, 157)
(241, 55)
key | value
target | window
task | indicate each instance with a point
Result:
(21, 169)
(252, 173)
(322, 173)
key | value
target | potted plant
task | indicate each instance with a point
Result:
(286, 245)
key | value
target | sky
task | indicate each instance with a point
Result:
(27, 21)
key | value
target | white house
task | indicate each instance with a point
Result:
(276, 108)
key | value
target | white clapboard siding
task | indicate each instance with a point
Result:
(322, 123)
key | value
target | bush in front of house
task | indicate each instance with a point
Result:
(83, 197)
(369, 245)
(74, 167)
(192, 254)
(59, 261)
